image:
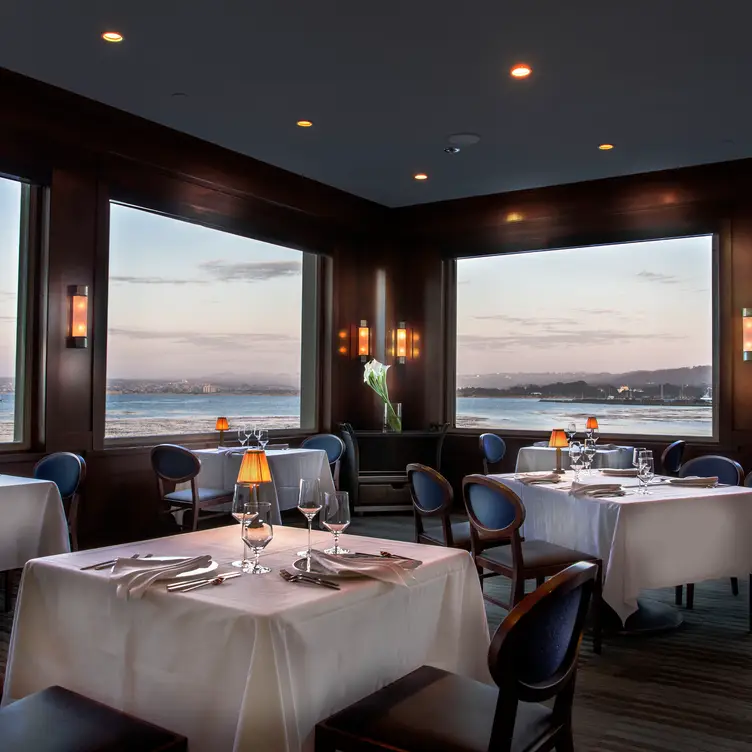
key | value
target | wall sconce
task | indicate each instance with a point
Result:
(404, 342)
(747, 333)
(342, 347)
(364, 340)
(78, 316)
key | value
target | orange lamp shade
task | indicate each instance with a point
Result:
(747, 334)
(222, 425)
(254, 468)
(592, 423)
(558, 438)
(401, 342)
(364, 337)
(78, 315)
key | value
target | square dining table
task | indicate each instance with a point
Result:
(535, 458)
(252, 664)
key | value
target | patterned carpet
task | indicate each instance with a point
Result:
(689, 690)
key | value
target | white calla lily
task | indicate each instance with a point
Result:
(374, 375)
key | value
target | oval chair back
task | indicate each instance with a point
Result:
(492, 448)
(728, 471)
(174, 463)
(533, 655)
(748, 483)
(334, 448)
(350, 464)
(68, 472)
(671, 459)
(432, 496)
(495, 512)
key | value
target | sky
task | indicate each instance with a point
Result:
(610, 308)
(10, 223)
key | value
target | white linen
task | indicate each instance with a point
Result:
(133, 576)
(673, 536)
(32, 521)
(252, 664)
(219, 469)
(534, 458)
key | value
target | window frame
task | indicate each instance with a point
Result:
(720, 238)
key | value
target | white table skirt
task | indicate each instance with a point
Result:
(533, 459)
(32, 521)
(255, 663)
(671, 537)
(219, 469)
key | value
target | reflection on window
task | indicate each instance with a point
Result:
(201, 324)
(622, 332)
(11, 422)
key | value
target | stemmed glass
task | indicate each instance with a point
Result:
(646, 469)
(242, 497)
(248, 431)
(636, 457)
(594, 434)
(575, 459)
(309, 504)
(571, 431)
(589, 451)
(242, 437)
(263, 437)
(257, 533)
(336, 518)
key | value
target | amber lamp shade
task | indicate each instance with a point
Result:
(222, 425)
(592, 423)
(558, 440)
(747, 334)
(254, 468)
(78, 316)
(364, 340)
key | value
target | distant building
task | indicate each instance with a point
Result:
(209, 389)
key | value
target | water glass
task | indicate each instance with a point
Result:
(571, 431)
(636, 456)
(575, 459)
(589, 451)
(646, 470)
(335, 517)
(248, 431)
(244, 495)
(309, 505)
(263, 437)
(242, 431)
(257, 532)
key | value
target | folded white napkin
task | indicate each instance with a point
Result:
(531, 479)
(606, 446)
(389, 569)
(597, 490)
(133, 576)
(231, 450)
(620, 472)
(694, 481)
(540, 444)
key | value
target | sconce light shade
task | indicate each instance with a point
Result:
(78, 316)
(364, 340)
(747, 334)
(254, 468)
(592, 423)
(401, 347)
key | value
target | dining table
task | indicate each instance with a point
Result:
(534, 458)
(670, 536)
(32, 521)
(251, 664)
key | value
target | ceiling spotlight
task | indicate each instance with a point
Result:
(304, 123)
(452, 150)
(521, 70)
(606, 147)
(463, 139)
(420, 176)
(112, 36)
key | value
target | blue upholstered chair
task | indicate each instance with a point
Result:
(532, 659)
(432, 496)
(496, 514)
(671, 459)
(68, 472)
(334, 448)
(174, 464)
(729, 473)
(493, 449)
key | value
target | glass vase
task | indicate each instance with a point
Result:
(392, 417)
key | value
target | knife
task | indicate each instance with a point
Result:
(202, 581)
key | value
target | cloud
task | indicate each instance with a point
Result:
(664, 279)
(251, 271)
(601, 311)
(157, 280)
(553, 339)
(545, 323)
(206, 340)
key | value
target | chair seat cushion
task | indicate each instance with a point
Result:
(204, 494)
(58, 720)
(536, 554)
(431, 709)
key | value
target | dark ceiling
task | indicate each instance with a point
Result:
(665, 81)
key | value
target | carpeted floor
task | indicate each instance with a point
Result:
(689, 690)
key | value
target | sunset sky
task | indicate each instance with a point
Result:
(10, 208)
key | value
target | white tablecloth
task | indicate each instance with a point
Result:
(671, 537)
(219, 469)
(532, 458)
(32, 521)
(252, 664)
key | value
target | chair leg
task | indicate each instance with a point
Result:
(735, 585)
(690, 595)
(518, 588)
(565, 742)
(678, 594)
(597, 615)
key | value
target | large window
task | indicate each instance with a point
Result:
(623, 332)
(12, 195)
(203, 324)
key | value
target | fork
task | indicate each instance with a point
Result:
(290, 577)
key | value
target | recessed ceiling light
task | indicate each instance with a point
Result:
(112, 36)
(420, 176)
(606, 147)
(452, 150)
(463, 139)
(304, 123)
(521, 70)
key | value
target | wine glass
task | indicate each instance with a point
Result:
(248, 431)
(263, 437)
(309, 504)
(589, 451)
(257, 533)
(594, 434)
(242, 434)
(647, 469)
(336, 518)
(571, 431)
(241, 498)
(636, 456)
(575, 459)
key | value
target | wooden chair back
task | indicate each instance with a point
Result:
(492, 448)
(432, 496)
(68, 472)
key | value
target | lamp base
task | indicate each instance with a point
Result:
(558, 470)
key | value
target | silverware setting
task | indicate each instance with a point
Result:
(111, 562)
(188, 585)
(307, 578)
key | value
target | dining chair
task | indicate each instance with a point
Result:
(728, 472)
(334, 448)
(532, 659)
(496, 514)
(492, 448)
(174, 464)
(671, 458)
(442, 429)
(432, 496)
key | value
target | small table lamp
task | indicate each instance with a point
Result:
(222, 426)
(592, 424)
(558, 440)
(254, 469)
